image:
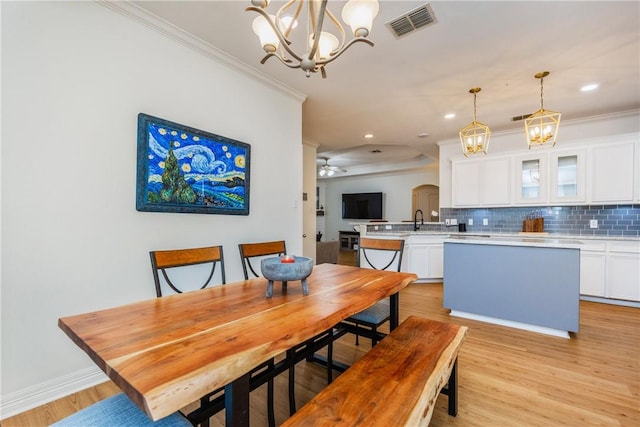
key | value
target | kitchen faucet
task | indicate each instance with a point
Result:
(416, 227)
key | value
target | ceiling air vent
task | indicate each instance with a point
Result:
(518, 118)
(411, 21)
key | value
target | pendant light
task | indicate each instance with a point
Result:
(542, 126)
(475, 136)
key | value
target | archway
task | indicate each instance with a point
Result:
(427, 199)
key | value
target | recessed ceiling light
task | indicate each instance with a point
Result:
(368, 135)
(589, 87)
(449, 115)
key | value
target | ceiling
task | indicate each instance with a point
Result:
(400, 89)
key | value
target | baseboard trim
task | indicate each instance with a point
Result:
(512, 324)
(31, 397)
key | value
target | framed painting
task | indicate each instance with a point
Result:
(186, 170)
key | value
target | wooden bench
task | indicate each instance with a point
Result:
(396, 383)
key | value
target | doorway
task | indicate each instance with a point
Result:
(427, 199)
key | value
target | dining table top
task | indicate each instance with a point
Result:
(167, 352)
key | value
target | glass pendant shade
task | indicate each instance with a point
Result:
(359, 15)
(542, 126)
(475, 136)
(268, 38)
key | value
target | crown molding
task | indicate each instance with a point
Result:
(177, 34)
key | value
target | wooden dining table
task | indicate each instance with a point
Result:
(166, 353)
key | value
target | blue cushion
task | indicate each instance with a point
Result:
(375, 314)
(119, 411)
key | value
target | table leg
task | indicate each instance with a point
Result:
(394, 310)
(452, 390)
(236, 401)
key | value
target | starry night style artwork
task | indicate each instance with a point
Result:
(181, 169)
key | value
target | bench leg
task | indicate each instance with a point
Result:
(452, 390)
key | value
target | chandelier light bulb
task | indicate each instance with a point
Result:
(328, 43)
(330, 172)
(268, 38)
(359, 15)
(322, 172)
(284, 23)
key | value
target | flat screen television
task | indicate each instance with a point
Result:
(362, 206)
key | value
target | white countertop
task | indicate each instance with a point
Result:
(505, 236)
(545, 242)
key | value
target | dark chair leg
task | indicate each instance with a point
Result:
(374, 340)
(357, 341)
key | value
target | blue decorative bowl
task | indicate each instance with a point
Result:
(273, 269)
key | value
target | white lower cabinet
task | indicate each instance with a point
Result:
(610, 269)
(593, 269)
(425, 256)
(623, 270)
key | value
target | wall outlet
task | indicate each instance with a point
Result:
(454, 221)
(593, 223)
(447, 221)
(470, 222)
(388, 227)
(485, 221)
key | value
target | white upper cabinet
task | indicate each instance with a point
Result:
(482, 182)
(567, 176)
(612, 173)
(599, 173)
(531, 179)
(496, 181)
(466, 183)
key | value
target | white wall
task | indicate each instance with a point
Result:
(595, 129)
(74, 77)
(396, 187)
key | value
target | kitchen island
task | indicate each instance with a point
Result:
(527, 283)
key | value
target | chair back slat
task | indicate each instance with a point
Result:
(370, 248)
(183, 257)
(168, 259)
(253, 250)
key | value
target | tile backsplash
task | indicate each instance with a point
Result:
(612, 220)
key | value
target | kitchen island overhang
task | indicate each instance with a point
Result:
(525, 283)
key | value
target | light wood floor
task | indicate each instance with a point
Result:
(507, 377)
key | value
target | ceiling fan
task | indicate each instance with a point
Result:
(326, 170)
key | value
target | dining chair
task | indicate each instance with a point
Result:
(256, 252)
(118, 410)
(177, 259)
(378, 254)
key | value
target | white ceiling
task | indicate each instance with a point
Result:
(401, 88)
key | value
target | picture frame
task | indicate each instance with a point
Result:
(186, 170)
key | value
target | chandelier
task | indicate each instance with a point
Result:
(320, 45)
(475, 136)
(542, 126)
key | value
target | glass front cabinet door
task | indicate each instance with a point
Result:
(531, 177)
(567, 176)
